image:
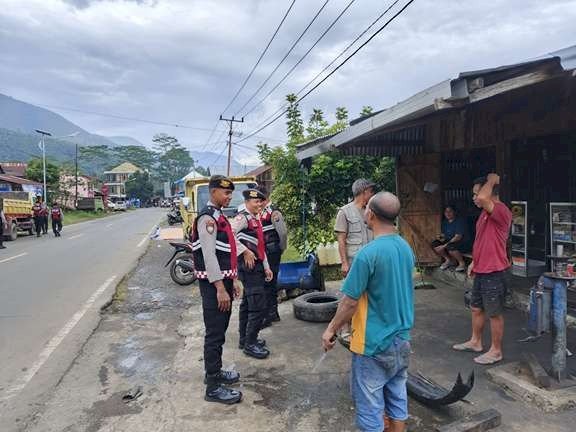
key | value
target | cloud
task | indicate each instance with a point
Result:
(181, 61)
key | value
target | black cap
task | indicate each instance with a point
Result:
(220, 182)
(253, 194)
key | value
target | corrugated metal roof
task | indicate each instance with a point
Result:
(438, 97)
(18, 180)
(125, 167)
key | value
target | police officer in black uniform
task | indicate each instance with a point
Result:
(215, 261)
(276, 239)
(254, 272)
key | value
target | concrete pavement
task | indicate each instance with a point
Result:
(51, 290)
(152, 336)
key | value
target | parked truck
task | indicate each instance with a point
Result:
(17, 208)
(197, 195)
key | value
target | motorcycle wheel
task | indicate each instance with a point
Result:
(180, 275)
(170, 221)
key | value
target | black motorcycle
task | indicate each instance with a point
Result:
(174, 217)
(182, 268)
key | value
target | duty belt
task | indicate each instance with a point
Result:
(229, 274)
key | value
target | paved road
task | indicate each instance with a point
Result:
(51, 290)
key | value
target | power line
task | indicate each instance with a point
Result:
(260, 58)
(283, 58)
(211, 135)
(219, 156)
(337, 57)
(141, 120)
(208, 141)
(334, 70)
(301, 58)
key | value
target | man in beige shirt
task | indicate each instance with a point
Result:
(351, 229)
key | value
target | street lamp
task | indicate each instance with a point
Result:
(43, 134)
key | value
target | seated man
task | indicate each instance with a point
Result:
(454, 240)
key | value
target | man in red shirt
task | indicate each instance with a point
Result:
(489, 266)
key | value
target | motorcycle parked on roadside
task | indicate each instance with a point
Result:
(174, 217)
(182, 264)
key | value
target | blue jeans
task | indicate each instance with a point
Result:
(378, 386)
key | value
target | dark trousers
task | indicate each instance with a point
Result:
(254, 306)
(38, 224)
(215, 323)
(56, 226)
(1, 233)
(271, 287)
(45, 224)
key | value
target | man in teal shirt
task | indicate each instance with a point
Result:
(378, 298)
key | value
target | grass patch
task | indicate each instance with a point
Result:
(332, 272)
(75, 216)
(291, 254)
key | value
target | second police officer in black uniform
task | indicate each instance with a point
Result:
(275, 238)
(215, 260)
(254, 272)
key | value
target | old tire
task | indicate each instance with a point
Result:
(316, 306)
(180, 275)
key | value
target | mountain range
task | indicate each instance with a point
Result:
(19, 139)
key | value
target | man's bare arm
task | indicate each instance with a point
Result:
(485, 194)
(341, 237)
(344, 313)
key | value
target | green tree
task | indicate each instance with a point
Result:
(139, 185)
(138, 155)
(367, 110)
(317, 126)
(164, 142)
(310, 198)
(34, 171)
(294, 120)
(174, 161)
(99, 158)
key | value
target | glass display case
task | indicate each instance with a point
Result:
(562, 235)
(522, 264)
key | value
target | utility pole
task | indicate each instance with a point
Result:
(76, 178)
(230, 122)
(43, 144)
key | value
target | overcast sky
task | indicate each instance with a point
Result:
(181, 61)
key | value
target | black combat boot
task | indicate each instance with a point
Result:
(224, 377)
(216, 392)
(256, 351)
(259, 342)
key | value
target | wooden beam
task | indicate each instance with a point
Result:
(538, 372)
(510, 84)
(480, 422)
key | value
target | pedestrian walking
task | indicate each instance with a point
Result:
(489, 266)
(254, 272)
(275, 239)
(215, 263)
(352, 232)
(57, 217)
(44, 215)
(37, 215)
(378, 298)
(3, 225)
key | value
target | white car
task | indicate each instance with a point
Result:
(110, 205)
(120, 206)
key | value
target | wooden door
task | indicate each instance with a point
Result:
(419, 189)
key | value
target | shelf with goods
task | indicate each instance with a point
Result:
(522, 264)
(562, 234)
